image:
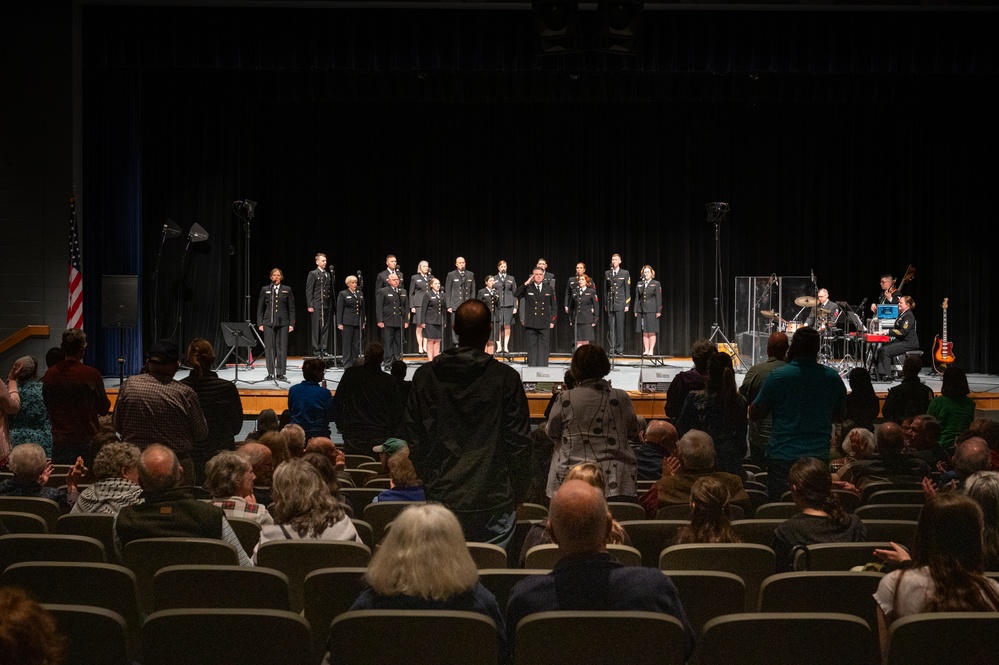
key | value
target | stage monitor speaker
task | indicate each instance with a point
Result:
(557, 25)
(657, 379)
(120, 301)
(541, 379)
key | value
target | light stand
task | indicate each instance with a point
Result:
(716, 215)
(170, 230)
(245, 210)
(195, 235)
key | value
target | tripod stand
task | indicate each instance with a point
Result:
(716, 215)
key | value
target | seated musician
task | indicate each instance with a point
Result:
(823, 316)
(902, 337)
(888, 296)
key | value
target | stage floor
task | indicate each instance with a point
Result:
(258, 394)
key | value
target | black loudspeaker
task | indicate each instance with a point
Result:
(120, 301)
(557, 25)
(618, 23)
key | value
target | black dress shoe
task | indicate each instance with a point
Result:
(269, 377)
(282, 377)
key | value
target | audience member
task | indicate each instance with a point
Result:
(398, 372)
(116, 478)
(923, 440)
(988, 429)
(696, 460)
(169, 510)
(587, 578)
(593, 422)
(658, 443)
(303, 508)
(54, 355)
(946, 572)
(970, 456)
(367, 407)
(469, 425)
(710, 518)
(330, 475)
(953, 408)
(690, 380)
(152, 407)
(324, 445)
(31, 471)
(911, 397)
(310, 402)
(267, 421)
(405, 485)
(31, 422)
(10, 403)
(804, 398)
(229, 479)
(424, 564)
(759, 430)
(294, 437)
(983, 487)
(862, 404)
(887, 462)
(541, 462)
(262, 461)
(720, 411)
(278, 445)
(821, 519)
(219, 400)
(28, 634)
(75, 397)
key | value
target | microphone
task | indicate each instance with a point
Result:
(360, 280)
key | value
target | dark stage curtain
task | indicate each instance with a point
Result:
(851, 143)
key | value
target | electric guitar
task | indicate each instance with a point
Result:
(943, 351)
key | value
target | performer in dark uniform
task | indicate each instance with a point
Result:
(392, 316)
(903, 337)
(491, 297)
(418, 285)
(549, 276)
(537, 315)
(825, 314)
(458, 287)
(648, 307)
(276, 318)
(433, 318)
(351, 319)
(319, 298)
(381, 280)
(617, 302)
(506, 285)
(572, 285)
(889, 295)
(584, 310)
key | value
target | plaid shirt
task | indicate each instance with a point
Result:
(236, 506)
(153, 408)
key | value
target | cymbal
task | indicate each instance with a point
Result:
(806, 301)
(769, 313)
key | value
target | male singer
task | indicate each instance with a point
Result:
(276, 318)
(319, 297)
(390, 269)
(392, 316)
(458, 287)
(617, 300)
(538, 315)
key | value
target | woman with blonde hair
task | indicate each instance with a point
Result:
(432, 319)
(424, 564)
(303, 508)
(419, 284)
(584, 309)
(648, 309)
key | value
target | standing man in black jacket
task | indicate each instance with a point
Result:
(276, 318)
(538, 315)
(617, 301)
(458, 287)
(392, 316)
(319, 298)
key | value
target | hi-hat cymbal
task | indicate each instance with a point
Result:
(806, 301)
(769, 313)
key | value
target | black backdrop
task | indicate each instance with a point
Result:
(850, 143)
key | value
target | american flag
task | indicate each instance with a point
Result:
(74, 313)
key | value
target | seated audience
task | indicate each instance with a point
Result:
(887, 462)
(229, 479)
(657, 443)
(10, 403)
(710, 521)
(923, 440)
(278, 445)
(303, 508)
(31, 423)
(910, 398)
(31, 471)
(405, 486)
(28, 634)
(262, 460)
(988, 429)
(970, 456)
(821, 519)
(367, 409)
(267, 421)
(328, 472)
(953, 408)
(696, 459)
(862, 403)
(169, 510)
(587, 578)
(116, 478)
(310, 402)
(424, 564)
(946, 571)
(324, 445)
(295, 437)
(983, 487)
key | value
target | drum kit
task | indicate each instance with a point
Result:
(825, 323)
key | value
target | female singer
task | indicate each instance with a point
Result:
(506, 285)
(432, 315)
(418, 285)
(648, 308)
(584, 308)
(491, 297)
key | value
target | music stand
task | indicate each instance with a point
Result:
(237, 334)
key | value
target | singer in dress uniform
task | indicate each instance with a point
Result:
(351, 319)
(491, 297)
(648, 308)
(903, 337)
(506, 284)
(617, 301)
(276, 318)
(392, 316)
(391, 268)
(458, 287)
(433, 318)
(419, 284)
(537, 314)
(584, 310)
(319, 299)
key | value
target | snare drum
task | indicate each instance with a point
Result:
(792, 327)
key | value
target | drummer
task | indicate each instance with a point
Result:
(825, 314)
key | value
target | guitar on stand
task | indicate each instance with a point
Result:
(943, 351)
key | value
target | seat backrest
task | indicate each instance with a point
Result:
(848, 499)
(751, 562)
(639, 638)
(359, 637)
(532, 511)
(105, 585)
(178, 587)
(18, 547)
(47, 509)
(146, 556)
(651, 537)
(487, 555)
(94, 635)
(359, 476)
(380, 483)
(328, 593)
(836, 556)
(706, 594)
(902, 532)
(544, 557)
(681, 511)
(500, 581)
(247, 532)
(896, 496)
(94, 525)
(359, 497)
(365, 531)
(248, 637)
(622, 511)
(816, 638)
(17, 522)
(944, 637)
(382, 513)
(298, 558)
(759, 531)
(889, 511)
(779, 510)
(354, 461)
